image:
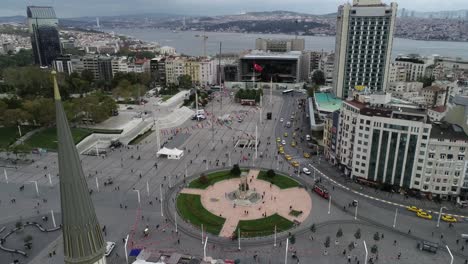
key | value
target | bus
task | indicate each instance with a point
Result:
(288, 91)
(321, 190)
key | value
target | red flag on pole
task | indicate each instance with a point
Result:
(258, 68)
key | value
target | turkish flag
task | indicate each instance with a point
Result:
(258, 68)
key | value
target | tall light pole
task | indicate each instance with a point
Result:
(50, 179)
(238, 238)
(138, 195)
(230, 163)
(175, 220)
(286, 252)
(450, 253)
(125, 249)
(394, 219)
(6, 175)
(158, 136)
(97, 184)
(274, 243)
(202, 234)
(35, 184)
(147, 188)
(367, 253)
(53, 217)
(161, 199)
(256, 142)
(329, 203)
(355, 211)
(440, 214)
(204, 248)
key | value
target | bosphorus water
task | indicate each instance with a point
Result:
(186, 42)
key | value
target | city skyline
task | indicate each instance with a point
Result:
(68, 8)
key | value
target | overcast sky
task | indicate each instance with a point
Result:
(77, 8)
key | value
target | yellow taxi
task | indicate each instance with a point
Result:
(285, 134)
(306, 155)
(278, 139)
(424, 215)
(288, 157)
(293, 143)
(295, 164)
(449, 218)
(413, 209)
(281, 151)
(294, 134)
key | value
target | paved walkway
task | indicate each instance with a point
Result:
(274, 201)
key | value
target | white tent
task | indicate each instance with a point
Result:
(171, 153)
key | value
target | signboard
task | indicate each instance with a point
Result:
(360, 87)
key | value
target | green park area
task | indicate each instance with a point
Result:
(192, 211)
(8, 135)
(47, 138)
(209, 179)
(263, 227)
(282, 181)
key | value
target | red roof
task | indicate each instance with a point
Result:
(439, 109)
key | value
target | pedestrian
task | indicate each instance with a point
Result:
(394, 242)
(399, 255)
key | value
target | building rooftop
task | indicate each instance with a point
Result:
(439, 109)
(434, 88)
(444, 130)
(327, 102)
(258, 54)
(41, 12)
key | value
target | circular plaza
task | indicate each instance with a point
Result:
(247, 202)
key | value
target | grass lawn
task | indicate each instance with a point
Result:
(8, 135)
(212, 178)
(192, 210)
(263, 226)
(166, 97)
(282, 181)
(140, 138)
(47, 138)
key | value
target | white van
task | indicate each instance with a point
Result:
(308, 137)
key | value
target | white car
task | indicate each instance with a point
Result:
(281, 120)
(109, 247)
(283, 142)
(306, 171)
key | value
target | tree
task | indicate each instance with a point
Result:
(270, 174)
(327, 242)
(14, 117)
(357, 235)
(351, 246)
(374, 249)
(27, 241)
(376, 236)
(427, 81)
(185, 81)
(292, 239)
(87, 75)
(203, 179)
(235, 171)
(40, 110)
(3, 108)
(339, 233)
(312, 228)
(29, 82)
(318, 77)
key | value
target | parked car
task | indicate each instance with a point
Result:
(306, 171)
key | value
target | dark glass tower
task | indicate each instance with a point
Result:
(83, 242)
(45, 40)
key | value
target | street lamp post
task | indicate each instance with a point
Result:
(53, 218)
(35, 184)
(394, 219)
(329, 203)
(125, 249)
(355, 211)
(286, 252)
(50, 179)
(450, 253)
(175, 220)
(147, 188)
(97, 184)
(367, 253)
(238, 238)
(6, 175)
(274, 244)
(138, 195)
(440, 214)
(204, 248)
(202, 234)
(161, 199)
